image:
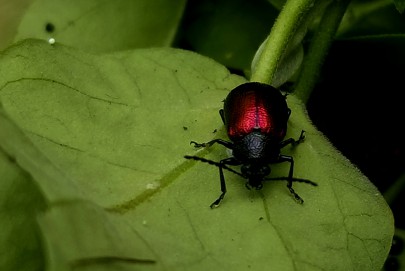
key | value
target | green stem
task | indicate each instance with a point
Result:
(319, 46)
(395, 190)
(283, 30)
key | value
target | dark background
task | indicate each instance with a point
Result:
(358, 105)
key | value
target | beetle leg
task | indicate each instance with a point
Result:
(301, 138)
(299, 180)
(222, 164)
(222, 114)
(293, 141)
(285, 158)
(214, 163)
(227, 144)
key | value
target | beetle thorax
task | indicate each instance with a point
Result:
(255, 147)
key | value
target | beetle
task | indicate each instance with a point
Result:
(255, 116)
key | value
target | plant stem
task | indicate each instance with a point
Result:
(283, 30)
(318, 49)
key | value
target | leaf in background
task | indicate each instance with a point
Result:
(364, 18)
(400, 5)
(10, 16)
(20, 203)
(277, 3)
(103, 26)
(92, 238)
(113, 129)
(228, 31)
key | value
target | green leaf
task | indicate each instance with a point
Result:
(400, 5)
(104, 138)
(92, 238)
(10, 14)
(103, 26)
(365, 18)
(211, 29)
(113, 118)
(20, 203)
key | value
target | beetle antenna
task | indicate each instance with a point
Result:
(299, 180)
(197, 158)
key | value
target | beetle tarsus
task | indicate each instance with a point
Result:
(292, 141)
(297, 198)
(295, 142)
(300, 139)
(198, 145)
(216, 203)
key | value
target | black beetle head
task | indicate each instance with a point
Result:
(255, 175)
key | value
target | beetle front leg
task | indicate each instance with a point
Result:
(285, 158)
(223, 189)
(293, 141)
(222, 163)
(227, 144)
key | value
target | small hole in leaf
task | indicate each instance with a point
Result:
(49, 27)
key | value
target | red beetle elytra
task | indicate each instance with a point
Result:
(255, 116)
